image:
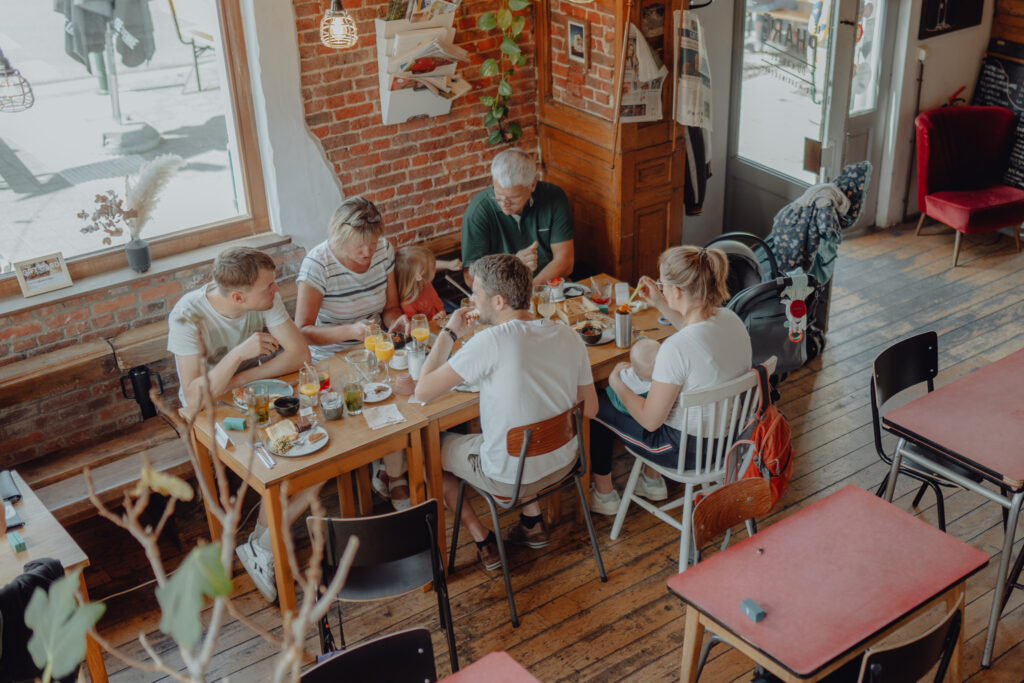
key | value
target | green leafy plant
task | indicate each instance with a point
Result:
(59, 625)
(503, 68)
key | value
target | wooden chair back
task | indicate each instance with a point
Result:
(544, 436)
(728, 506)
(912, 659)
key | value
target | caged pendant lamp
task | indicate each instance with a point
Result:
(15, 92)
(338, 29)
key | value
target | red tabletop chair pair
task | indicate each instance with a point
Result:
(962, 153)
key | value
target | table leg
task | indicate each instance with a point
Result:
(417, 483)
(1004, 565)
(953, 599)
(93, 652)
(364, 490)
(693, 636)
(345, 501)
(432, 453)
(205, 470)
(282, 568)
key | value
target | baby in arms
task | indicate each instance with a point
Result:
(637, 377)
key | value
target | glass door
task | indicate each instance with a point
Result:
(791, 103)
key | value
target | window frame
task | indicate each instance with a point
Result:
(255, 222)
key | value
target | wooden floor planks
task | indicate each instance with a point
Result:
(887, 285)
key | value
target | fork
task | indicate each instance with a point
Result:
(262, 454)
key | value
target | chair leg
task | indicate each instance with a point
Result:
(940, 506)
(920, 494)
(881, 488)
(444, 609)
(627, 495)
(504, 561)
(687, 523)
(705, 650)
(956, 248)
(1016, 236)
(1012, 578)
(751, 527)
(455, 527)
(590, 527)
(919, 224)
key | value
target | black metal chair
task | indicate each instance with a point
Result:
(911, 660)
(906, 364)
(525, 442)
(403, 657)
(398, 553)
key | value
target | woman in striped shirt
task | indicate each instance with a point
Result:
(344, 284)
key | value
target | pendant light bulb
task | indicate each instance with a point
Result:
(15, 91)
(338, 29)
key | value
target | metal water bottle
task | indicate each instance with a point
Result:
(623, 329)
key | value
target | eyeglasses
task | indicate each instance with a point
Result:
(362, 220)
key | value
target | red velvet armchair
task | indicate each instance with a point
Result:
(961, 155)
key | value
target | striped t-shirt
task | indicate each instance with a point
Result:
(349, 297)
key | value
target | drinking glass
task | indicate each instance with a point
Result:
(323, 372)
(539, 292)
(545, 308)
(353, 397)
(309, 389)
(384, 350)
(420, 328)
(258, 400)
(333, 405)
(373, 334)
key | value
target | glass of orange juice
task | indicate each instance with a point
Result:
(309, 389)
(420, 328)
(384, 350)
(373, 334)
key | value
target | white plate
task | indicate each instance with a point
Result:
(275, 388)
(375, 392)
(306, 448)
(607, 335)
(468, 388)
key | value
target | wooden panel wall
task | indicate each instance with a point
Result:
(1008, 22)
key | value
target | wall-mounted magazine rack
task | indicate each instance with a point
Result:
(395, 38)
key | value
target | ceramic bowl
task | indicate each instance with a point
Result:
(286, 406)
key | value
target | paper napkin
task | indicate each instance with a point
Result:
(382, 416)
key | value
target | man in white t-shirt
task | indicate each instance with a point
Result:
(228, 316)
(527, 370)
(226, 319)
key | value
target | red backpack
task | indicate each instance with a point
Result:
(769, 436)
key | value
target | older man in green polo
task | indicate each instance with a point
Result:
(522, 216)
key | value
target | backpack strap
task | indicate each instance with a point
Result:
(765, 388)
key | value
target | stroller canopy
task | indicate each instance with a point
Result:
(806, 233)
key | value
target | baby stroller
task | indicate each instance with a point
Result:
(777, 309)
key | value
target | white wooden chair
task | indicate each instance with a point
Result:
(724, 410)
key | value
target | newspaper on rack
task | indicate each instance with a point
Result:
(448, 87)
(643, 77)
(693, 91)
(425, 10)
(427, 57)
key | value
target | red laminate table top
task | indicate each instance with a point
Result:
(977, 419)
(830, 577)
(497, 667)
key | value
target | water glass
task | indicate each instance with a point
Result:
(333, 405)
(417, 357)
(258, 400)
(353, 397)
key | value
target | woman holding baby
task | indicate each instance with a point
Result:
(710, 346)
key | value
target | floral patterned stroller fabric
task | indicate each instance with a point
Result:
(807, 232)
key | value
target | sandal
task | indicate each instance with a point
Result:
(399, 503)
(378, 479)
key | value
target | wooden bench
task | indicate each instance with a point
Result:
(58, 477)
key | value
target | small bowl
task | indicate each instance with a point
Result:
(591, 334)
(286, 406)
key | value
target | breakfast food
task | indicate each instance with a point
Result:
(316, 436)
(283, 430)
(624, 308)
(571, 311)
(281, 446)
(303, 423)
(238, 393)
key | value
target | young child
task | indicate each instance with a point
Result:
(414, 273)
(637, 377)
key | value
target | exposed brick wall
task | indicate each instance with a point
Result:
(421, 173)
(590, 89)
(76, 415)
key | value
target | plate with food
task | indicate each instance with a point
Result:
(275, 389)
(375, 392)
(595, 332)
(285, 440)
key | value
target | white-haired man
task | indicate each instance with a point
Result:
(520, 215)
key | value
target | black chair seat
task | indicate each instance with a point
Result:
(387, 579)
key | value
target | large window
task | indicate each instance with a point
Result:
(112, 92)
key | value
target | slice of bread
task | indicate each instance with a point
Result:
(285, 429)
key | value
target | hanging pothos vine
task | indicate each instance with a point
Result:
(511, 26)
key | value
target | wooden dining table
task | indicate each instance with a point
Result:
(352, 445)
(977, 421)
(833, 579)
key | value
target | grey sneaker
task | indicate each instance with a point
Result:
(489, 556)
(651, 490)
(606, 503)
(259, 562)
(537, 537)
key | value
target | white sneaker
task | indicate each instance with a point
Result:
(259, 562)
(651, 489)
(604, 503)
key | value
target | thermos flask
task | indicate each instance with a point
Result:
(623, 329)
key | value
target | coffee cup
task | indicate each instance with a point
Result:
(399, 361)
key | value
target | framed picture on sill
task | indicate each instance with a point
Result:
(42, 274)
(576, 33)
